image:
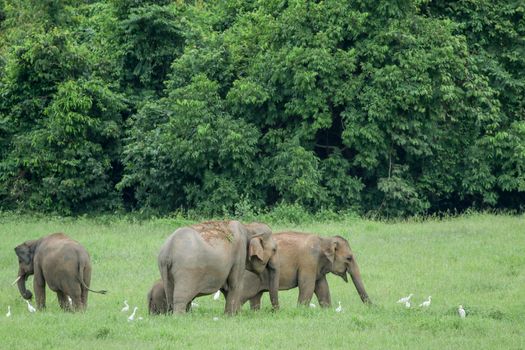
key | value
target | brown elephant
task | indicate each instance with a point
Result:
(304, 261)
(157, 303)
(199, 259)
(60, 262)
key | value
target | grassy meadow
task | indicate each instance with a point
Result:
(476, 260)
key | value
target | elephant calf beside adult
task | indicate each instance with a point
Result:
(157, 303)
(199, 259)
(60, 262)
(304, 261)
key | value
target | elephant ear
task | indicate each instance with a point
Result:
(329, 251)
(256, 248)
(25, 252)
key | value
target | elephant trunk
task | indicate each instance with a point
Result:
(21, 283)
(358, 283)
(274, 283)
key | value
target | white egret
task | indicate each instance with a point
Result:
(125, 308)
(426, 303)
(405, 299)
(339, 308)
(30, 307)
(461, 312)
(132, 316)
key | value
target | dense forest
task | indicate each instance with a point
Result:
(397, 108)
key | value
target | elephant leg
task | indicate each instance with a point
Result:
(232, 302)
(63, 301)
(255, 302)
(169, 290)
(183, 294)
(306, 284)
(83, 297)
(39, 285)
(83, 290)
(74, 291)
(235, 285)
(322, 291)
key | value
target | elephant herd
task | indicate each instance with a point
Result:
(241, 260)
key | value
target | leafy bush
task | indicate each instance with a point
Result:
(229, 107)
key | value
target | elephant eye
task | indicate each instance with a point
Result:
(349, 258)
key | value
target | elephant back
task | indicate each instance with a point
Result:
(214, 230)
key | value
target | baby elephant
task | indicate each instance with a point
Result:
(61, 262)
(157, 303)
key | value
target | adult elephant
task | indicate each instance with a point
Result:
(199, 259)
(62, 263)
(304, 261)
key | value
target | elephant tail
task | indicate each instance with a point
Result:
(81, 280)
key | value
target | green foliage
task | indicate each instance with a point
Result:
(61, 129)
(400, 197)
(185, 150)
(150, 38)
(289, 213)
(221, 107)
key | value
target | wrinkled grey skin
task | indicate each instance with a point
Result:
(200, 259)
(157, 303)
(304, 261)
(60, 262)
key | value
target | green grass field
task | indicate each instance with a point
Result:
(475, 260)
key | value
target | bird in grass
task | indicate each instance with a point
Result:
(426, 303)
(339, 308)
(30, 307)
(312, 305)
(132, 316)
(217, 295)
(125, 308)
(405, 299)
(69, 300)
(8, 314)
(461, 312)
(407, 304)
(194, 304)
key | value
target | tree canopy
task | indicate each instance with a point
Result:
(397, 108)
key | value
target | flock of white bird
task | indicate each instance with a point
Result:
(426, 303)
(216, 296)
(133, 314)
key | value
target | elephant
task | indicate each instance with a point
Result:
(157, 303)
(304, 261)
(202, 258)
(62, 263)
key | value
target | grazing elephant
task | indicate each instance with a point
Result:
(157, 303)
(61, 262)
(304, 260)
(200, 259)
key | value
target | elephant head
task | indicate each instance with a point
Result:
(25, 253)
(338, 252)
(262, 255)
